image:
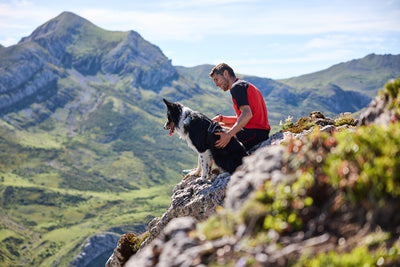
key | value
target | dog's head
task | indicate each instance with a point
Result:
(174, 113)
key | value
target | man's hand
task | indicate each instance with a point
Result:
(224, 139)
(217, 118)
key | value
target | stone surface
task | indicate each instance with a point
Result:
(95, 247)
(191, 197)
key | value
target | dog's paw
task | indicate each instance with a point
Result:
(193, 172)
(201, 180)
(186, 176)
(204, 178)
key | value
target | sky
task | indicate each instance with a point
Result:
(266, 38)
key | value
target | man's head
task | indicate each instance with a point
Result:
(223, 76)
(220, 69)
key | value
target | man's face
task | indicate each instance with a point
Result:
(221, 81)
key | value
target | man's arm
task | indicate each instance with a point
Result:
(244, 118)
(225, 121)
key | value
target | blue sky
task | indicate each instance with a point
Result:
(266, 38)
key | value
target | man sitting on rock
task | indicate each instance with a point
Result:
(250, 125)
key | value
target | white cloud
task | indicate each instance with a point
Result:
(334, 41)
(193, 19)
(283, 33)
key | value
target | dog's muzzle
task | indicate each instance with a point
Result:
(170, 127)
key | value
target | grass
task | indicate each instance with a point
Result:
(63, 227)
(59, 215)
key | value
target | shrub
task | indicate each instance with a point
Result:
(366, 164)
(393, 88)
(218, 226)
(359, 256)
(345, 119)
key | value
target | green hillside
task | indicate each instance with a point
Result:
(365, 75)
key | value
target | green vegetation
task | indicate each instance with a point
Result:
(316, 118)
(84, 170)
(129, 244)
(367, 74)
(366, 164)
(337, 182)
(359, 256)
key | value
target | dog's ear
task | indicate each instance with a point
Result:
(166, 102)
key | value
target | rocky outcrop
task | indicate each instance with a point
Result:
(378, 112)
(29, 76)
(264, 164)
(191, 197)
(96, 246)
(194, 201)
(145, 62)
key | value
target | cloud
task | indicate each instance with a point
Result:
(192, 20)
(253, 34)
(333, 41)
(20, 18)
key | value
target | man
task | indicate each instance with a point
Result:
(250, 125)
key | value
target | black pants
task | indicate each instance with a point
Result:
(252, 137)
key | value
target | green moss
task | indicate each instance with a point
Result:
(345, 119)
(129, 244)
(301, 125)
(366, 163)
(359, 256)
(393, 88)
(218, 226)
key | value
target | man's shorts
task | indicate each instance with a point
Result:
(252, 137)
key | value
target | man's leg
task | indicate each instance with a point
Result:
(252, 137)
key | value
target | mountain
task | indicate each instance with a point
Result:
(366, 75)
(81, 136)
(71, 47)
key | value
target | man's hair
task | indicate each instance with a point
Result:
(220, 68)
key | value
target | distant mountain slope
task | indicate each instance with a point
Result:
(366, 75)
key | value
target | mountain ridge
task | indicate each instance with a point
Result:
(352, 75)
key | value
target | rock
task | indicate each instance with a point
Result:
(377, 112)
(191, 197)
(264, 164)
(94, 247)
(173, 248)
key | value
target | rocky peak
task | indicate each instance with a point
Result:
(30, 70)
(63, 24)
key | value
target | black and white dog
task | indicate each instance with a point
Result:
(198, 131)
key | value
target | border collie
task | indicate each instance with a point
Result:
(198, 131)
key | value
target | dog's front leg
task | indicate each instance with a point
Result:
(197, 171)
(205, 164)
